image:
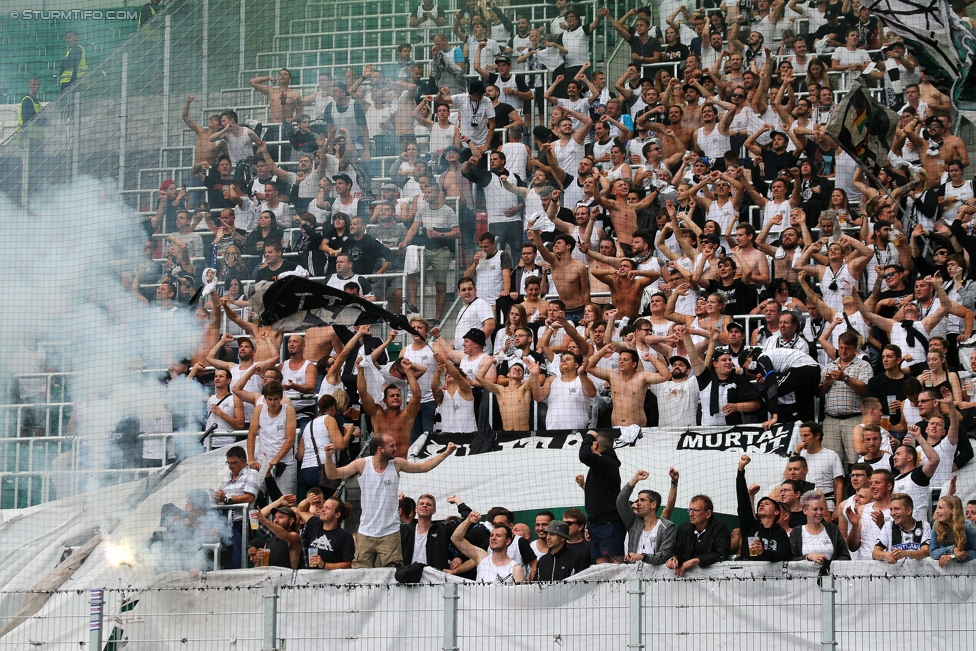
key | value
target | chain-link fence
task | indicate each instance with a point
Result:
(730, 606)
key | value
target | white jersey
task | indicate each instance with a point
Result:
(870, 533)
(823, 467)
(943, 472)
(713, 144)
(298, 399)
(457, 414)
(379, 500)
(488, 572)
(836, 285)
(569, 406)
(422, 357)
(254, 384)
(226, 405)
(724, 215)
(677, 403)
(441, 138)
(568, 156)
(516, 159)
(271, 436)
(921, 493)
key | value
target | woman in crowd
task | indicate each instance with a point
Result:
(953, 536)
(817, 541)
(267, 231)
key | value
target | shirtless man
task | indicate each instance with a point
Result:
(623, 214)
(626, 289)
(934, 153)
(203, 149)
(514, 399)
(268, 341)
(570, 276)
(393, 420)
(628, 386)
(752, 262)
(283, 106)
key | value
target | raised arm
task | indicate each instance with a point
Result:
(470, 550)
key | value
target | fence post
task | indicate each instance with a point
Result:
(450, 616)
(242, 42)
(635, 588)
(124, 119)
(95, 622)
(167, 68)
(828, 596)
(270, 618)
(205, 54)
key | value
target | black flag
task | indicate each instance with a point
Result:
(295, 303)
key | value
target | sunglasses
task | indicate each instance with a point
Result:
(888, 275)
(737, 95)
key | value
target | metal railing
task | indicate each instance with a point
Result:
(782, 606)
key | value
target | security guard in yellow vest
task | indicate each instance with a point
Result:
(149, 10)
(29, 106)
(74, 65)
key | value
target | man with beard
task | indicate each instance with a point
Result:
(677, 398)
(787, 254)
(245, 355)
(726, 397)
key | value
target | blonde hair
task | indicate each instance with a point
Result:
(956, 526)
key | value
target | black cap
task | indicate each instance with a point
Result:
(502, 59)
(543, 134)
(343, 177)
(736, 325)
(679, 358)
(476, 87)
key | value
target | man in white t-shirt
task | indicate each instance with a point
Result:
(649, 539)
(868, 520)
(824, 468)
(476, 313)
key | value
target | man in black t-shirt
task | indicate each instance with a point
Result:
(775, 159)
(739, 297)
(890, 384)
(505, 115)
(322, 533)
(365, 250)
(273, 264)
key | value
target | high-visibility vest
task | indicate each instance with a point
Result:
(20, 109)
(67, 76)
(151, 8)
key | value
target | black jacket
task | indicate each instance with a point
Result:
(563, 565)
(841, 553)
(602, 483)
(440, 552)
(776, 544)
(714, 546)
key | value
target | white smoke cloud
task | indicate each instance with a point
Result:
(65, 257)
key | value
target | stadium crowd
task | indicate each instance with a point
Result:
(685, 246)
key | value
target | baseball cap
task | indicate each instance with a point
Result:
(543, 134)
(713, 238)
(502, 59)
(287, 510)
(343, 177)
(476, 87)
(736, 325)
(679, 358)
(244, 338)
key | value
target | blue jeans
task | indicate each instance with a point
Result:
(508, 233)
